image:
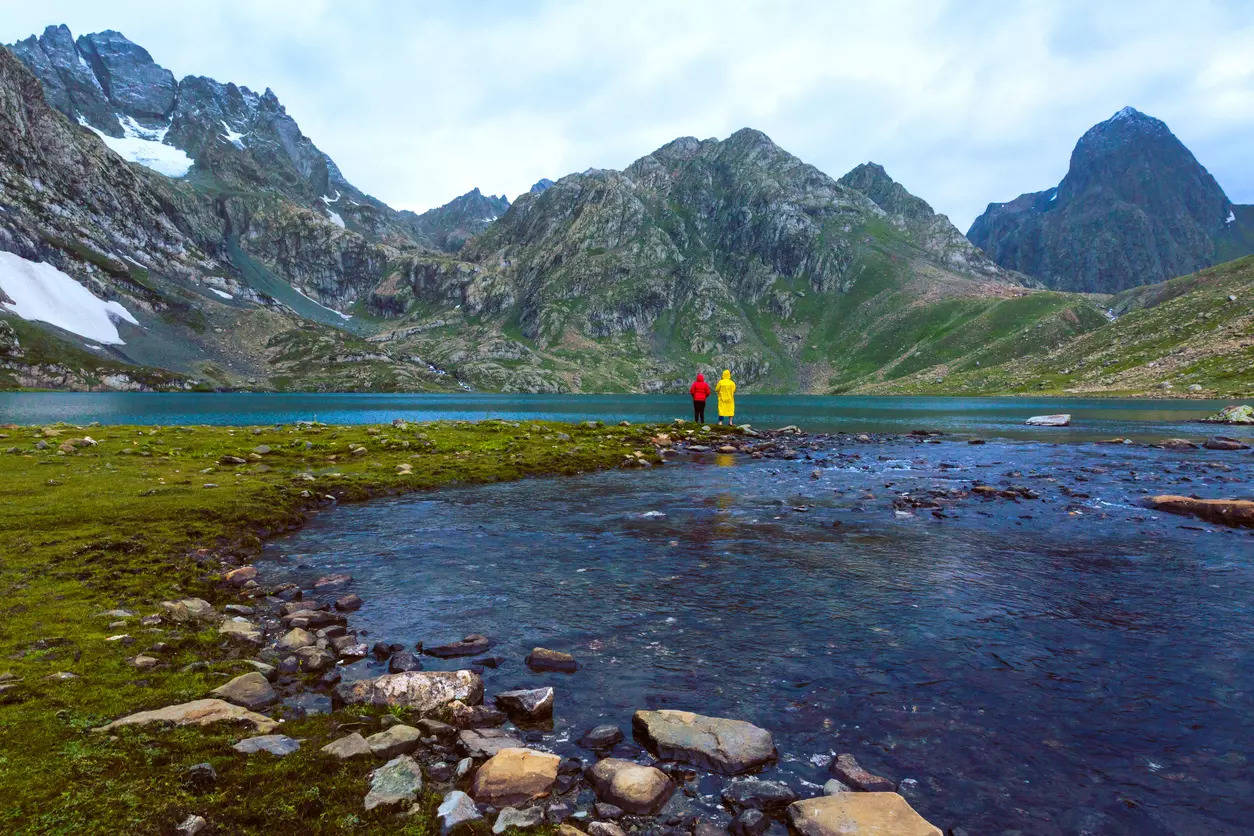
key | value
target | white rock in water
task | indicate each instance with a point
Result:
(1061, 420)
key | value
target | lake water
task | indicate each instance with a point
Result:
(1066, 664)
(1093, 418)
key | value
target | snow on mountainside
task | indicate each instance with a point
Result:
(147, 147)
(39, 291)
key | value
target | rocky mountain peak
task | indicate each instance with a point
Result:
(873, 181)
(540, 186)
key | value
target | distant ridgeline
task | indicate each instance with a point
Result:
(212, 244)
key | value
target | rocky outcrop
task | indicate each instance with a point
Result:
(450, 226)
(1134, 208)
(1236, 414)
(849, 813)
(715, 743)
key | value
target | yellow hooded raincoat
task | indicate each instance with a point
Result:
(726, 391)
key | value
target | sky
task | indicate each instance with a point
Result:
(963, 102)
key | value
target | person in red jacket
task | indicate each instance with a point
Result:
(700, 390)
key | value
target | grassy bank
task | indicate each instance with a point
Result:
(139, 515)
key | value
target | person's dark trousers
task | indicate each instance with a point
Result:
(698, 411)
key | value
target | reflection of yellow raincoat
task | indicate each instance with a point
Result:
(726, 390)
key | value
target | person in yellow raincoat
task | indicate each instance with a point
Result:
(726, 391)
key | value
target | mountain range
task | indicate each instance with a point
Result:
(163, 233)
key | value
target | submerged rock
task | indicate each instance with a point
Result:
(472, 645)
(755, 794)
(543, 659)
(858, 812)
(601, 737)
(715, 743)
(849, 771)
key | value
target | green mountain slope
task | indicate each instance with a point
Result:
(1189, 336)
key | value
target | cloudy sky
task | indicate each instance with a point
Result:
(963, 102)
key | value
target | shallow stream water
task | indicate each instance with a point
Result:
(1066, 664)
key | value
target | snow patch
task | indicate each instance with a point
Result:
(42, 292)
(221, 293)
(1232, 217)
(319, 304)
(329, 200)
(1053, 197)
(231, 136)
(146, 146)
(336, 219)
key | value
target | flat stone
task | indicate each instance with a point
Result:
(633, 787)
(397, 740)
(275, 744)
(456, 809)
(531, 704)
(195, 713)
(849, 771)
(543, 659)
(1233, 512)
(1060, 420)
(349, 746)
(601, 737)
(484, 743)
(755, 794)
(715, 743)
(295, 639)
(434, 728)
(394, 785)
(239, 609)
(264, 668)
(251, 690)
(238, 628)
(422, 691)
(474, 716)
(850, 813)
(515, 776)
(471, 645)
(144, 662)
(512, 817)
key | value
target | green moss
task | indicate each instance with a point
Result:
(128, 523)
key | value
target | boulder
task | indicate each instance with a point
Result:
(394, 785)
(512, 817)
(456, 809)
(275, 744)
(397, 740)
(349, 746)
(849, 813)
(471, 645)
(348, 603)
(422, 691)
(326, 583)
(543, 659)
(532, 704)
(189, 610)
(601, 737)
(1222, 443)
(1234, 512)
(251, 690)
(314, 659)
(238, 628)
(755, 794)
(474, 716)
(1236, 414)
(195, 713)
(484, 743)
(715, 743)
(515, 776)
(849, 771)
(240, 576)
(633, 787)
(1060, 420)
(296, 638)
(403, 661)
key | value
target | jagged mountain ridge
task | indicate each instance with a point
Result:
(1135, 207)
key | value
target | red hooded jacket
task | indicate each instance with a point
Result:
(700, 390)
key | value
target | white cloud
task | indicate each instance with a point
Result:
(964, 102)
